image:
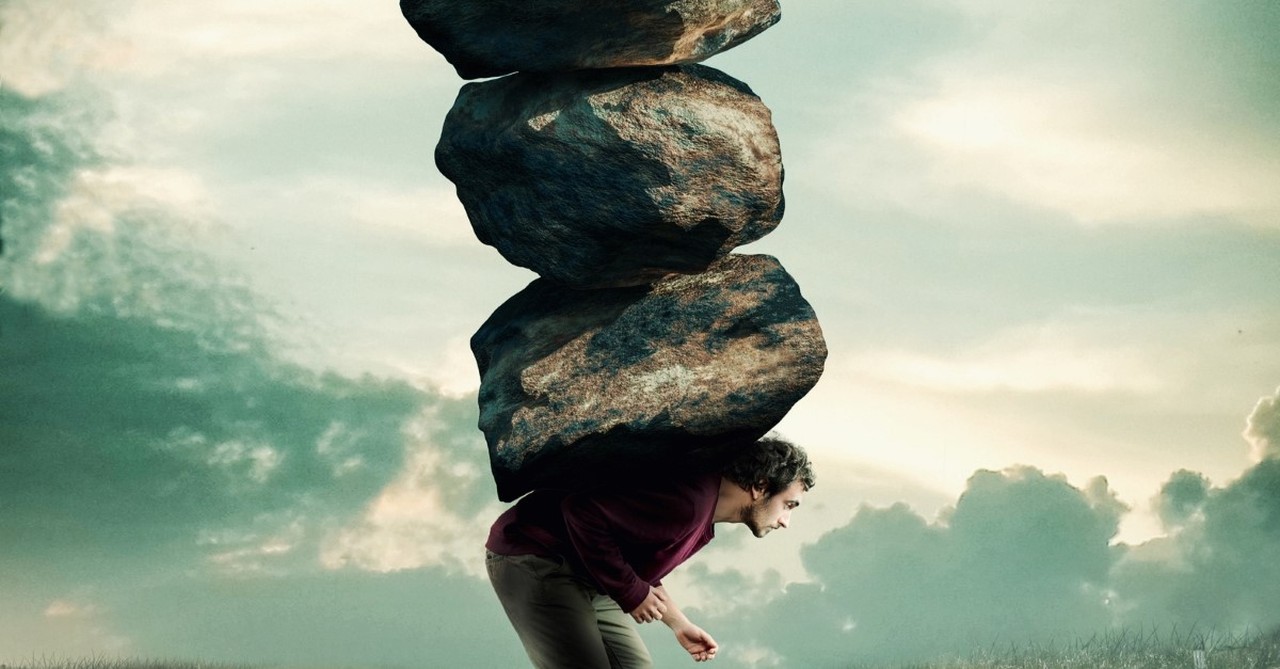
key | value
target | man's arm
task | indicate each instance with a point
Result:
(597, 522)
(694, 639)
(591, 530)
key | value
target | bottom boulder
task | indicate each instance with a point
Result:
(587, 387)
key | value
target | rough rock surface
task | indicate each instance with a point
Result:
(614, 178)
(581, 387)
(489, 38)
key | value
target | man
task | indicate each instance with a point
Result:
(570, 568)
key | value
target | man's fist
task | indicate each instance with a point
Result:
(650, 609)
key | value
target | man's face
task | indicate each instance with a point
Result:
(770, 512)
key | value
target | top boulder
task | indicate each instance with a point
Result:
(489, 38)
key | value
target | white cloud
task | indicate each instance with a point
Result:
(97, 198)
(153, 37)
(1072, 150)
(1039, 358)
(257, 461)
(49, 46)
(337, 445)
(43, 47)
(1105, 112)
(78, 626)
(413, 522)
(755, 655)
(1262, 429)
(1025, 395)
(252, 552)
(65, 608)
(452, 371)
(431, 215)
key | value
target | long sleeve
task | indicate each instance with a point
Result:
(592, 532)
(628, 540)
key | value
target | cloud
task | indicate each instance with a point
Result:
(277, 149)
(120, 433)
(164, 37)
(155, 440)
(151, 444)
(1035, 358)
(1218, 567)
(1066, 150)
(1021, 556)
(1067, 112)
(77, 622)
(49, 47)
(1182, 497)
(62, 608)
(1262, 429)
(347, 618)
(268, 91)
(145, 404)
(97, 197)
(436, 511)
(43, 47)
(432, 215)
(84, 233)
(429, 216)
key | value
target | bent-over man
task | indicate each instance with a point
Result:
(570, 568)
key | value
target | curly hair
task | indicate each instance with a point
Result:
(771, 464)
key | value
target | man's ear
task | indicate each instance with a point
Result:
(757, 491)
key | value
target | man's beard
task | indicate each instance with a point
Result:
(751, 515)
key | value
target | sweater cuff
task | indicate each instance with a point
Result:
(633, 596)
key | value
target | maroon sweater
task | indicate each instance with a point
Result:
(625, 540)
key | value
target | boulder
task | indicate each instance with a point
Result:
(614, 178)
(584, 387)
(489, 38)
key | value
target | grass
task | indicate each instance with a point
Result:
(117, 663)
(1126, 649)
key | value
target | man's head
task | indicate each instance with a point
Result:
(775, 474)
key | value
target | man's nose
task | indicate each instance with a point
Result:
(784, 520)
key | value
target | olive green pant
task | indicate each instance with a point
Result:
(562, 620)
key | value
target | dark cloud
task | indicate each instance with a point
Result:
(1022, 556)
(151, 438)
(35, 161)
(1219, 568)
(36, 154)
(121, 437)
(1181, 497)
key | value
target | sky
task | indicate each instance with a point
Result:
(237, 406)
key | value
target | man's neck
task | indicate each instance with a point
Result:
(733, 499)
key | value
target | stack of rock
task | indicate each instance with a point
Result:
(623, 175)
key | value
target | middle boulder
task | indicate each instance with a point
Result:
(614, 177)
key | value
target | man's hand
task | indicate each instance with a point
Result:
(692, 638)
(699, 644)
(650, 609)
